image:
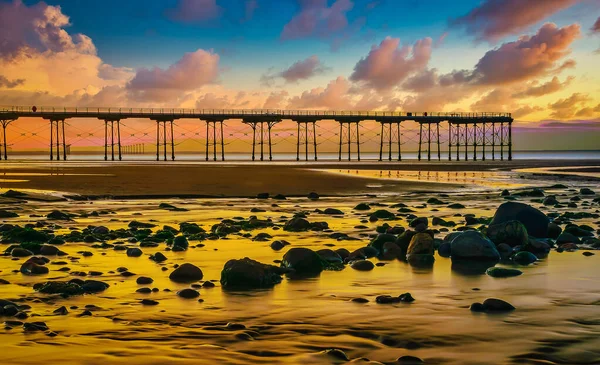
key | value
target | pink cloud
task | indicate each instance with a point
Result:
(300, 70)
(334, 96)
(495, 19)
(192, 11)
(527, 57)
(276, 100)
(388, 64)
(596, 26)
(549, 87)
(37, 28)
(317, 19)
(422, 81)
(190, 72)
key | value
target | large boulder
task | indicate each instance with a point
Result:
(249, 274)
(513, 233)
(420, 244)
(297, 224)
(186, 273)
(472, 245)
(534, 220)
(303, 261)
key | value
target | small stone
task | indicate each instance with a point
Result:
(360, 300)
(186, 273)
(134, 252)
(188, 293)
(497, 305)
(409, 360)
(144, 280)
(363, 265)
(501, 272)
(149, 302)
(587, 253)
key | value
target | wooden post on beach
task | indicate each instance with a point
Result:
(420, 139)
(5, 124)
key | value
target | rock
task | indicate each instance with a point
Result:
(409, 360)
(190, 228)
(20, 252)
(149, 302)
(279, 244)
(343, 253)
(188, 293)
(7, 214)
(279, 197)
(456, 206)
(303, 261)
(437, 221)
(524, 258)
(330, 256)
(363, 265)
(513, 233)
(586, 191)
(49, 250)
(180, 241)
(380, 240)
(158, 257)
(134, 252)
(420, 244)
(58, 215)
(249, 274)
(136, 224)
(566, 237)
(535, 222)
(445, 249)
(186, 273)
(501, 272)
(144, 280)
(100, 230)
(62, 311)
(588, 253)
(34, 266)
(497, 305)
(383, 214)
(262, 196)
(313, 196)
(388, 299)
(472, 245)
(536, 246)
(550, 200)
(505, 251)
(435, 201)
(297, 224)
(94, 286)
(337, 354)
(333, 211)
(419, 221)
(362, 206)
(554, 230)
(171, 207)
(390, 251)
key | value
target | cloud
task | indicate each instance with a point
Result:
(300, 70)
(334, 96)
(10, 84)
(249, 8)
(192, 71)
(495, 19)
(38, 28)
(528, 57)
(317, 19)
(596, 26)
(195, 11)
(566, 107)
(534, 89)
(109, 72)
(422, 81)
(387, 65)
(276, 100)
(526, 110)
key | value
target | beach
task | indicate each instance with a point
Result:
(103, 225)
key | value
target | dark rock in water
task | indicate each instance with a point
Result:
(279, 244)
(149, 302)
(58, 215)
(445, 249)
(136, 224)
(337, 354)
(409, 360)
(181, 241)
(362, 265)
(343, 253)
(473, 245)
(497, 305)
(588, 253)
(383, 214)
(188, 293)
(360, 300)
(586, 191)
(330, 256)
(249, 274)
(313, 196)
(534, 220)
(388, 299)
(257, 210)
(262, 196)
(94, 286)
(34, 266)
(20, 252)
(536, 246)
(567, 247)
(144, 280)
(303, 261)
(158, 257)
(171, 207)
(186, 273)
(362, 206)
(524, 258)
(144, 290)
(390, 251)
(505, 193)
(7, 214)
(566, 237)
(62, 311)
(550, 200)
(190, 228)
(501, 272)
(333, 211)
(100, 230)
(134, 252)
(456, 206)
(437, 221)
(279, 197)
(477, 307)
(513, 233)
(435, 201)
(403, 240)
(554, 230)
(420, 244)
(382, 238)
(578, 231)
(262, 237)
(418, 221)
(505, 251)
(49, 250)
(471, 267)
(59, 287)
(297, 224)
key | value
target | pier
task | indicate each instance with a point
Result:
(485, 134)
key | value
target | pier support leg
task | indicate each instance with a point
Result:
(222, 142)
(483, 137)
(493, 141)
(399, 143)
(105, 140)
(119, 139)
(466, 142)
(64, 140)
(428, 141)
(357, 140)
(502, 141)
(298, 143)
(474, 142)
(112, 140)
(449, 141)
(314, 127)
(157, 139)
(340, 150)
(438, 141)
(381, 144)
(510, 141)
(253, 140)
(207, 139)
(420, 140)
(172, 143)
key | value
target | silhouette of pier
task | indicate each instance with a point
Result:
(483, 133)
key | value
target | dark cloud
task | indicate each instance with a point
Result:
(10, 84)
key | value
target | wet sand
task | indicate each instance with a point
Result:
(557, 299)
(194, 179)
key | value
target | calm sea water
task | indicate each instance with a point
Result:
(326, 156)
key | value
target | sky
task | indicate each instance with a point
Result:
(536, 59)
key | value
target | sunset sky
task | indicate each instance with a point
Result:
(538, 59)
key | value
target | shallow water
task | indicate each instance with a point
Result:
(557, 320)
